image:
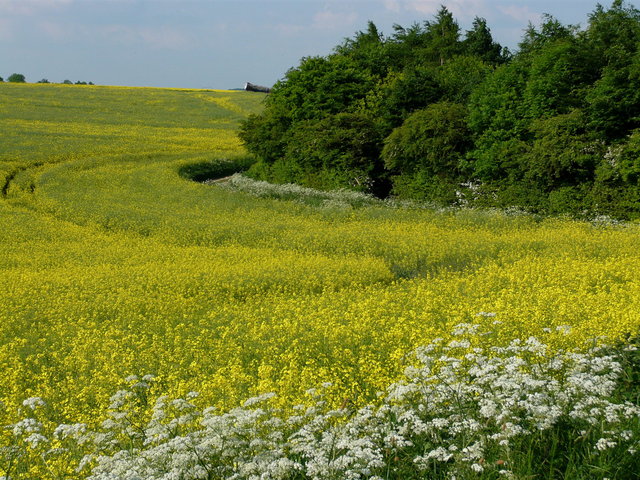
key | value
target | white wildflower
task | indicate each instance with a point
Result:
(604, 444)
(33, 402)
(75, 430)
(26, 425)
(441, 454)
(36, 439)
(259, 399)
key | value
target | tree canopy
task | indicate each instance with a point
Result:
(16, 78)
(429, 110)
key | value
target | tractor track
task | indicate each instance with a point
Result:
(9, 178)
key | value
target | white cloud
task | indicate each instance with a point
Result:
(465, 9)
(323, 20)
(521, 14)
(423, 6)
(328, 20)
(393, 5)
(288, 29)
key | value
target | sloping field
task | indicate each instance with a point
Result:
(113, 264)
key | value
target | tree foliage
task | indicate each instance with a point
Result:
(552, 127)
(16, 78)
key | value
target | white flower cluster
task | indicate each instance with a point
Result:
(291, 191)
(462, 410)
(338, 198)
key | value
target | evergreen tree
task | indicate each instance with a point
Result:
(444, 36)
(479, 42)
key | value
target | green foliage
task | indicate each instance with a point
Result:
(530, 129)
(426, 151)
(432, 139)
(444, 37)
(479, 43)
(617, 28)
(265, 134)
(321, 86)
(215, 168)
(550, 31)
(459, 77)
(367, 50)
(16, 78)
(614, 99)
(562, 154)
(629, 159)
(404, 93)
(498, 123)
(333, 152)
(557, 76)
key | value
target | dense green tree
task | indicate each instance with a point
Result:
(443, 36)
(428, 147)
(613, 37)
(321, 86)
(408, 91)
(317, 88)
(407, 46)
(628, 160)
(498, 121)
(367, 50)
(614, 100)
(552, 128)
(558, 76)
(338, 150)
(563, 154)
(265, 135)
(616, 190)
(460, 77)
(479, 43)
(551, 30)
(16, 78)
(613, 30)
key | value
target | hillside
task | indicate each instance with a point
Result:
(113, 264)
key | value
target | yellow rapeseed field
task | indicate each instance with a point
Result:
(113, 264)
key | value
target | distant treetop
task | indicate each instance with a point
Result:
(17, 78)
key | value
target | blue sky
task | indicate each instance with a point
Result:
(221, 43)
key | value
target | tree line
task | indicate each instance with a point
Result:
(20, 78)
(435, 114)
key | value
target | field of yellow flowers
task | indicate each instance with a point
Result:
(113, 264)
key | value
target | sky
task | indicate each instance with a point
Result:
(222, 44)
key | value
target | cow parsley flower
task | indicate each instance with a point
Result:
(33, 402)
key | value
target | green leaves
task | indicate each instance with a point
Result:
(532, 128)
(430, 139)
